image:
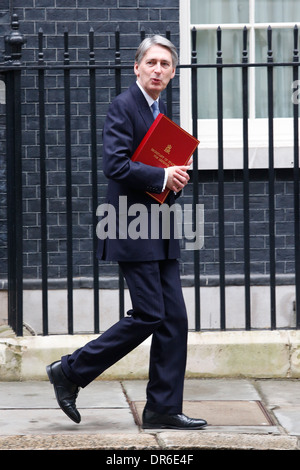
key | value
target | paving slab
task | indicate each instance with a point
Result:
(279, 392)
(31, 408)
(283, 398)
(39, 394)
(37, 421)
(289, 418)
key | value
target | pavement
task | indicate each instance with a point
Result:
(242, 414)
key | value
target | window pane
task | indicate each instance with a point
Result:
(219, 11)
(232, 81)
(268, 11)
(282, 45)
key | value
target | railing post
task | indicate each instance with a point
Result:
(13, 52)
(219, 63)
(271, 179)
(296, 174)
(245, 85)
(194, 80)
(13, 43)
(169, 90)
(94, 160)
(43, 183)
(118, 91)
(68, 156)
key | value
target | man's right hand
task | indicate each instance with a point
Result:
(178, 176)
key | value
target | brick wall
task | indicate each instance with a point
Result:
(104, 16)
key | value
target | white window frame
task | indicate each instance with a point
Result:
(232, 128)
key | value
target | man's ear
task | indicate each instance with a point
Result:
(136, 69)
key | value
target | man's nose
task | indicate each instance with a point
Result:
(157, 67)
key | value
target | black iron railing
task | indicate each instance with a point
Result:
(11, 72)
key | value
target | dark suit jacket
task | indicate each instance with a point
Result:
(129, 118)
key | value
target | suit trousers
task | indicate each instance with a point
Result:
(158, 308)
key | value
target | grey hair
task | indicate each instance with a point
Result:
(156, 40)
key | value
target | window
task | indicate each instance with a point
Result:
(232, 16)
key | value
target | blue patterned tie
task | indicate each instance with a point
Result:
(155, 109)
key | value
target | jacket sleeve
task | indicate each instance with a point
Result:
(118, 148)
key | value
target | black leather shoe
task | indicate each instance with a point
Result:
(65, 391)
(152, 420)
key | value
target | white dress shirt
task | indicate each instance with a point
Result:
(150, 101)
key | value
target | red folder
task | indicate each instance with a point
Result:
(165, 144)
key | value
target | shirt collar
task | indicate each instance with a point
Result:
(150, 100)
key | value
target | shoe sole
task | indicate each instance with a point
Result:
(49, 373)
(163, 426)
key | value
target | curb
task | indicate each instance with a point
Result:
(160, 441)
(256, 354)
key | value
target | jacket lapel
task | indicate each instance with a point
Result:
(143, 107)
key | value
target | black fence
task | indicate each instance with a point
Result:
(14, 72)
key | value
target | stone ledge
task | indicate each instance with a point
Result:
(226, 441)
(256, 354)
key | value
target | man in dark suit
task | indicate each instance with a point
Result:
(149, 265)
